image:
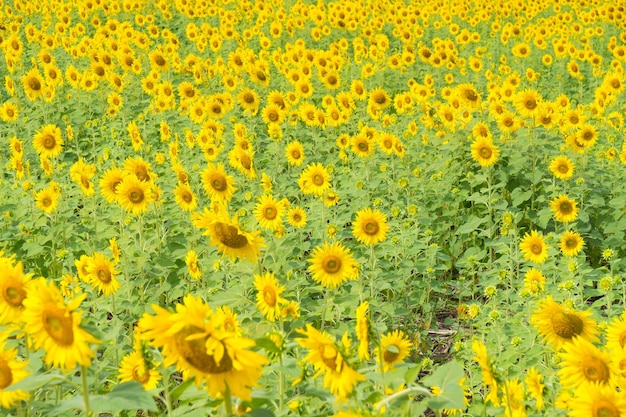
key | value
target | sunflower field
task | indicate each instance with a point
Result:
(312, 208)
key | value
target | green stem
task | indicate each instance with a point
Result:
(166, 391)
(228, 402)
(407, 391)
(85, 389)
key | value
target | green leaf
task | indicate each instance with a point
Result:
(412, 373)
(446, 378)
(126, 396)
(33, 382)
(259, 412)
(472, 224)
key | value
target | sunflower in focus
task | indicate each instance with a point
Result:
(101, 274)
(527, 103)
(268, 296)
(228, 237)
(33, 84)
(394, 347)
(327, 358)
(14, 285)
(193, 339)
(485, 152)
(571, 243)
(534, 248)
(559, 326)
(296, 217)
(269, 212)
(185, 198)
(332, 264)
(48, 142)
(370, 226)
(562, 167)
(564, 209)
(315, 179)
(12, 371)
(584, 364)
(134, 195)
(217, 184)
(294, 151)
(55, 326)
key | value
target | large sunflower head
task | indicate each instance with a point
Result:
(101, 274)
(294, 151)
(394, 347)
(269, 212)
(315, 179)
(583, 364)
(562, 167)
(332, 264)
(218, 185)
(485, 152)
(134, 195)
(12, 370)
(14, 285)
(598, 400)
(527, 103)
(48, 142)
(269, 299)
(370, 226)
(564, 209)
(571, 243)
(534, 248)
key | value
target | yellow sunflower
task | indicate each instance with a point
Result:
(363, 330)
(332, 264)
(315, 179)
(185, 198)
(47, 200)
(191, 260)
(136, 366)
(109, 183)
(489, 379)
(48, 142)
(534, 386)
(527, 103)
(134, 195)
(228, 237)
(558, 325)
(562, 167)
(370, 226)
(101, 274)
(33, 84)
(534, 248)
(564, 209)
(296, 217)
(587, 136)
(218, 185)
(327, 359)
(484, 152)
(534, 281)
(616, 335)
(394, 347)
(55, 326)
(571, 243)
(193, 339)
(268, 296)
(294, 151)
(12, 371)
(14, 285)
(584, 364)
(269, 212)
(598, 401)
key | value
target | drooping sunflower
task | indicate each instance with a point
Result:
(268, 296)
(55, 326)
(562, 167)
(485, 152)
(327, 359)
(584, 364)
(558, 325)
(534, 248)
(597, 401)
(185, 198)
(394, 347)
(228, 237)
(332, 264)
(534, 386)
(269, 213)
(218, 185)
(296, 217)
(193, 339)
(363, 330)
(14, 285)
(315, 179)
(571, 243)
(48, 142)
(191, 260)
(370, 226)
(564, 209)
(489, 379)
(139, 366)
(134, 195)
(294, 151)
(12, 371)
(101, 274)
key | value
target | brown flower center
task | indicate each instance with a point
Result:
(486, 152)
(219, 183)
(136, 196)
(34, 84)
(229, 236)
(331, 264)
(269, 296)
(318, 180)
(194, 351)
(566, 325)
(270, 213)
(6, 375)
(59, 325)
(595, 370)
(371, 227)
(604, 408)
(49, 142)
(14, 296)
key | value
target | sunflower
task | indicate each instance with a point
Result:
(228, 237)
(12, 371)
(534, 248)
(468, 96)
(527, 102)
(269, 212)
(394, 347)
(370, 226)
(55, 326)
(217, 184)
(315, 179)
(534, 281)
(139, 168)
(47, 200)
(363, 330)
(587, 135)
(362, 145)
(48, 142)
(249, 101)
(185, 198)
(138, 366)
(134, 195)
(489, 379)
(294, 151)
(597, 401)
(616, 335)
(571, 243)
(33, 84)
(332, 264)
(562, 167)
(564, 209)
(193, 339)
(101, 274)
(327, 358)
(534, 386)
(583, 364)
(14, 285)
(268, 296)
(485, 152)
(81, 267)
(243, 161)
(296, 217)
(191, 260)
(558, 326)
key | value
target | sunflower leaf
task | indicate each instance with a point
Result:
(446, 378)
(33, 382)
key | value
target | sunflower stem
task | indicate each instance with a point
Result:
(85, 389)
(228, 402)
(166, 391)
(407, 391)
